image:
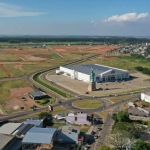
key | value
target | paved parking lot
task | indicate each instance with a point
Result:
(81, 87)
(135, 111)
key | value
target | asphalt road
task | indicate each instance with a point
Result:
(68, 104)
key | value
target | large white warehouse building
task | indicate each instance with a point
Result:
(102, 73)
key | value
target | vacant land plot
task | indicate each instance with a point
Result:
(5, 87)
(2, 74)
(59, 110)
(8, 57)
(123, 62)
(82, 49)
(89, 104)
(119, 98)
(16, 102)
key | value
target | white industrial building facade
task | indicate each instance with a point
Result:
(102, 73)
(145, 96)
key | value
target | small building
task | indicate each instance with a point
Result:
(79, 118)
(102, 73)
(60, 116)
(131, 104)
(68, 134)
(37, 95)
(36, 123)
(9, 128)
(38, 136)
(145, 96)
(6, 142)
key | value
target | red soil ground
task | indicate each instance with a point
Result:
(81, 49)
(16, 102)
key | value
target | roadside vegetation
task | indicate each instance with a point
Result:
(89, 104)
(125, 130)
(119, 98)
(45, 101)
(36, 77)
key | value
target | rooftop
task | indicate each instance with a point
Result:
(4, 139)
(35, 122)
(37, 94)
(39, 135)
(86, 68)
(9, 128)
(75, 129)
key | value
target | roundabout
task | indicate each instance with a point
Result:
(87, 104)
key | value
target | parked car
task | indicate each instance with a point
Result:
(23, 98)
(99, 128)
(95, 136)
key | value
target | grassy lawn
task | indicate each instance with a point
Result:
(2, 74)
(51, 87)
(5, 86)
(9, 57)
(120, 98)
(60, 110)
(87, 104)
(104, 115)
(84, 128)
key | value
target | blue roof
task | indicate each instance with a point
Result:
(35, 122)
(87, 68)
(39, 135)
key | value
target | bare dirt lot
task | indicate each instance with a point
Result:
(81, 87)
(16, 102)
(81, 49)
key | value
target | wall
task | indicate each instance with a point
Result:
(145, 97)
(66, 137)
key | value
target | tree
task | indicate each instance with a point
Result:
(114, 117)
(120, 141)
(104, 147)
(141, 145)
(123, 116)
(44, 115)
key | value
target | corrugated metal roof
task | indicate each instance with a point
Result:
(35, 122)
(39, 135)
(4, 139)
(86, 68)
(24, 129)
(37, 94)
(9, 128)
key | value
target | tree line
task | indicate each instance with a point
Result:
(143, 69)
(82, 39)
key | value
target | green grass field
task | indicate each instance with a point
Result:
(89, 104)
(2, 74)
(59, 110)
(123, 62)
(41, 43)
(9, 57)
(61, 92)
(120, 98)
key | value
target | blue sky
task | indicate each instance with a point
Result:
(75, 17)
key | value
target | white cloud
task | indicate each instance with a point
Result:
(129, 17)
(7, 10)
